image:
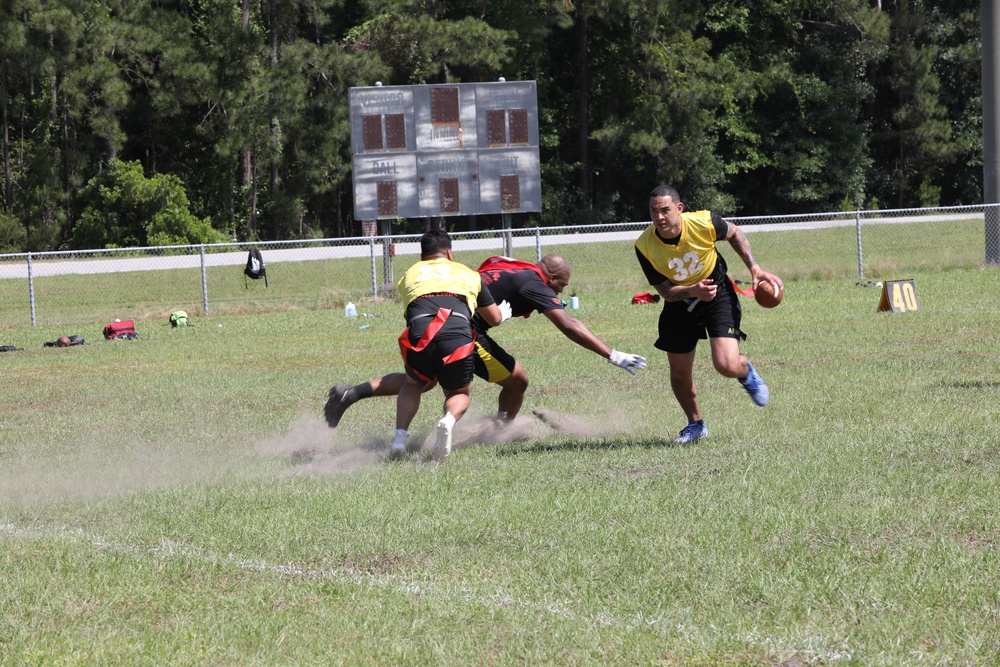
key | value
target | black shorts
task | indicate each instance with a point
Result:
(680, 330)
(428, 364)
(492, 362)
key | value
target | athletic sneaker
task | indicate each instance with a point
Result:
(341, 398)
(755, 386)
(442, 446)
(693, 431)
(398, 448)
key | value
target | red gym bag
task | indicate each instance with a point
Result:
(124, 329)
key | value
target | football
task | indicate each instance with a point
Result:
(767, 295)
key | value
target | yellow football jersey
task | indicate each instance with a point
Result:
(440, 275)
(692, 259)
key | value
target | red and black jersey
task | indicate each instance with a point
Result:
(521, 284)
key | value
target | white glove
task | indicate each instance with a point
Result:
(630, 362)
(505, 310)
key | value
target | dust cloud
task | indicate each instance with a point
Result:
(107, 467)
(312, 448)
(584, 427)
(307, 447)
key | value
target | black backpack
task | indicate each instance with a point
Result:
(255, 268)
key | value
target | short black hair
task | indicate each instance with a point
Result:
(665, 191)
(434, 242)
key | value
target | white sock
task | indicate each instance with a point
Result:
(448, 420)
(401, 436)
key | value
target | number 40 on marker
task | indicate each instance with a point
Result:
(899, 296)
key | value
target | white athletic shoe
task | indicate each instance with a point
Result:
(442, 446)
(398, 448)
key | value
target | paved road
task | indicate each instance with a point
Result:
(54, 264)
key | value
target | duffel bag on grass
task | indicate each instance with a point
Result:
(120, 329)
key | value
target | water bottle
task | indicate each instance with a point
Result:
(574, 302)
(350, 310)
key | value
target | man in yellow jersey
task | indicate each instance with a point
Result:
(677, 254)
(527, 288)
(439, 297)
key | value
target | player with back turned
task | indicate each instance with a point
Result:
(526, 288)
(440, 297)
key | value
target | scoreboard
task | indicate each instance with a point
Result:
(439, 150)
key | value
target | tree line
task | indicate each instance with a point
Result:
(135, 122)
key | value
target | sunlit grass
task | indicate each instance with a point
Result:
(178, 499)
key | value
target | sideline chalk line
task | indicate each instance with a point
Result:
(814, 647)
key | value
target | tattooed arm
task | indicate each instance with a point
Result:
(738, 240)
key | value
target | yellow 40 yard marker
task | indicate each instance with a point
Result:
(899, 296)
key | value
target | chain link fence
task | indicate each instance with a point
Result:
(96, 286)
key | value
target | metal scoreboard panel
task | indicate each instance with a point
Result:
(374, 176)
(513, 96)
(450, 149)
(381, 102)
(445, 117)
(443, 182)
(508, 181)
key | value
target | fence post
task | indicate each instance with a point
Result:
(388, 252)
(507, 243)
(371, 256)
(991, 220)
(861, 266)
(989, 22)
(31, 290)
(538, 244)
(204, 282)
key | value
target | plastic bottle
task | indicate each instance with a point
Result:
(574, 302)
(350, 310)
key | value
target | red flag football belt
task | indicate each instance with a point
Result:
(432, 329)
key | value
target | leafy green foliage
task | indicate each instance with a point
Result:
(778, 106)
(123, 208)
(12, 233)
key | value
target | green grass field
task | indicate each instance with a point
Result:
(178, 499)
